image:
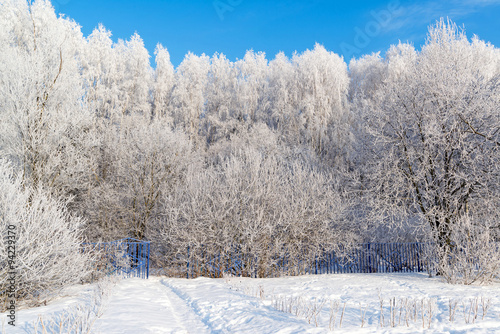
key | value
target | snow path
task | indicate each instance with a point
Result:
(148, 306)
(169, 305)
(225, 310)
(196, 306)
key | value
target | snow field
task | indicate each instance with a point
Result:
(278, 305)
(364, 294)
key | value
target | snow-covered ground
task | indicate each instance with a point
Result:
(313, 304)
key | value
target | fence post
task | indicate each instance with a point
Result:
(187, 266)
(369, 258)
(147, 268)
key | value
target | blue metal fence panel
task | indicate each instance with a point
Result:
(128, 257)
(365, 258)
(373, 258)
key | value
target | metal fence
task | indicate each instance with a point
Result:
(364, 258)
(127, 257)
(373, 258)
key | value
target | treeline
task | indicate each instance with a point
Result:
(289, 155)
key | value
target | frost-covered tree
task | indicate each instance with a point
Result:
(118, 76)
(119, 80)
(221, 113)
(252, 73)
(164, 80)
(281, 94)
(365, 74)
(100, 73)
(323, 82)
(433, 134)
(143, 159)
(135, 76)
(472, 254)
(45, 123)
(187, 97)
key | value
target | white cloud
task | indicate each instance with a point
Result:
(479, 2)
(425, 12)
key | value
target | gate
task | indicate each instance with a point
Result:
(128, 257)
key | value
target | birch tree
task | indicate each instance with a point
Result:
(323, 83)
(187, 97)
(221, 112)
(164, 80)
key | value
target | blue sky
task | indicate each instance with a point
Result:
(349, 28)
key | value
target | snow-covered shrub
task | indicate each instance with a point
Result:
(256, 210)
(47, 241)
(471, 255)
(80, 317)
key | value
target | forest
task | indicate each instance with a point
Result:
(99, 140)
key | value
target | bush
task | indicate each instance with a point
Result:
(471, 255)
(47, 243)
(250, 212)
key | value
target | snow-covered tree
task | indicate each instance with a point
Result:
(45, 123)
(252, 73)
(143, 158)
(187, 97)
(118, 76)
(221, 113)
(281, 108)
(433, 134)
(472, 254)
(322, 87)
(163, 82)
(100, 73)
(365, 74)
(135, 76)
